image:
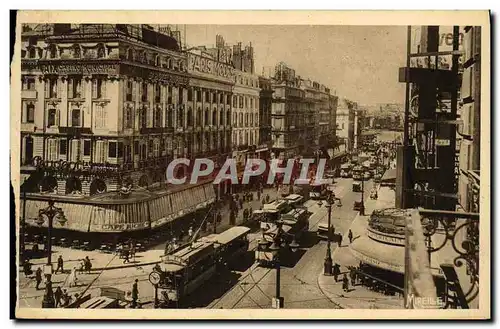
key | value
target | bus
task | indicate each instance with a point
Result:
(271, 212)
(318, 191)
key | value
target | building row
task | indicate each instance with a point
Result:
(106, 107)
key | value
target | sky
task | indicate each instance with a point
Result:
(357, 62)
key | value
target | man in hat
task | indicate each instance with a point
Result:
(135, 294)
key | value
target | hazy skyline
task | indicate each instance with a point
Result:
(357, 62)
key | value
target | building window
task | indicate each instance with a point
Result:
(77, 52)
(157, 60)
(150, 146)
(101, 51)
(246, 102)
(246, 119)
(129, 91)
(52, 153)
(181, 95)
(170, 123)
(158, 117)
(32, 52)
(63, 147)
(221, 118)
(198, 95)
(190, 117)
(30, 113)
(241, 119)
(180, 117)
(144, 92)
(75, 87)
(214, 117)
(52, 51)
(76, 118)
(144, 118)
(86, 147)
(198, 117)
(28, 83)
(235, 101)
(51, 120)
(221, 98)
(228, 99)
(207, 96)
(130, 54)
(112, 150)
(256, 119)
(207, 119)
(98, 88)
(190, 95)
(100, 116)
(240, 101)
(228, 118)
(51, 88)
(251, 103)
(136, 147)
(251, 119)
(120, 149)
(157, 93)
(235, 119)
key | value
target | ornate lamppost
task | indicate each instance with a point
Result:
(278, 243)
(362, 206)
(50, 212)
(328, 203)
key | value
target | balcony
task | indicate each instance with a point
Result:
(29, 94)
(445, 244)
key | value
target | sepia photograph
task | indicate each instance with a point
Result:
(309, 166)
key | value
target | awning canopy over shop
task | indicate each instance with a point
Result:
(389, 176)
(92, 216)
(384, 256)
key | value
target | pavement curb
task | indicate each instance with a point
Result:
(328, 295)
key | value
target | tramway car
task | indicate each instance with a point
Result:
(290, 229)
(185, 270)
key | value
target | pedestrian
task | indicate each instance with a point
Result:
(27, 268)
(60, 264)
(126, 256)
(339, 240)
(336, 272)
(350, 236)
(88, 264)
(72, 279)
(190, 232)
(241, 203)
(353, 276)
(132, 251)
(219, 218)
(135, 294)
(38, 277)
(65, 298)
(345, 283)
(57, 296)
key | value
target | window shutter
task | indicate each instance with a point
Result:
(70, 88)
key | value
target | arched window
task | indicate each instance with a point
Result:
(170, 123)
(158, 117)
(128, 116)
(207, 117)
(241, 120)
(221, 118)
(214, 117)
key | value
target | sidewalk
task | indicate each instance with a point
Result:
(358, 297)
(108, 261)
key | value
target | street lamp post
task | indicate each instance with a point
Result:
(50, 212)
(275, 248)
(328, 264)
(362, 210)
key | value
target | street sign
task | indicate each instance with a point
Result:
(442, 142)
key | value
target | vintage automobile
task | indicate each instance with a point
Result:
(358, 206)
(356, 186)
(322, 232)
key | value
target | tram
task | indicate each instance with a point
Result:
(181, 273)
(291, 228)
(271, 212)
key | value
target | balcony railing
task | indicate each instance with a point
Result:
(454, 238)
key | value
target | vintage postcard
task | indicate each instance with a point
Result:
(252, 165)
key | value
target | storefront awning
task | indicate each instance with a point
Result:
(389, 175)
(384, 256)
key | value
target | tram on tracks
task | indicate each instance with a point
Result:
(181, 273)
(289, 229)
